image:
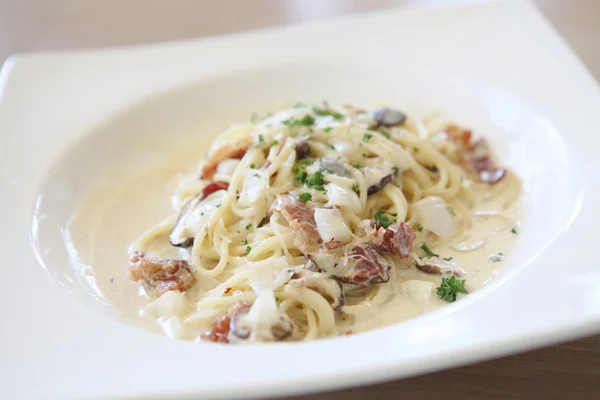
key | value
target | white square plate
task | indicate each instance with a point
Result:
(498, 67)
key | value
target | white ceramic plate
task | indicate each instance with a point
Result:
(65, 118)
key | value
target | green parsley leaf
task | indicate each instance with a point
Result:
(451, 211)
(415, 149)
(358, 166)
(496, 257)
(306, 161)
(450, 287)
(326, 111)
(256, 175)
(385, 133)
(427, 251)
(367, 137)
(419, 227)
(305, 196)
(275, 143)
(245, 240)
(308, 120)
(315, 180)
(301, 174)
(261, 139)
(248, 227)
(515, 230)
(447, 258)
(383, 219)
(252, 166)
(330, 147)
(248, 248)
(328, 129)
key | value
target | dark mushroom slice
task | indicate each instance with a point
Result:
(389, 117)
(180, 236)
(383, 182)
(439, 266)
(302, 150)
(321, 283)
(245, 324)
(235, 327)
(333, 166)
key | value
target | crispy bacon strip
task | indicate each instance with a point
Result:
(160, 276)
(369, 266)
(301, 220)
(334, 245)
(477, 156)
(222, 325)
(214, 187)
(396, 239)
(230, 150)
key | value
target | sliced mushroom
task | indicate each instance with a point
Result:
(321, 283)
(330, 164)
(262, 322)
(389, 117)
(302, 150)
(383, 182)
(193, 215)
(439, 266)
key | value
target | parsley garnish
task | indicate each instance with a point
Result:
(427, 251)
(256, 175)
(447, 258)
(358, 166)
(305, 196)
(326, 111)
(275, 143)
(328, 129)
(383, 219)
(330, 147)
(496, 257)
(252, 166)
(301, 174)
(419, 227)
(248, 227)
(315, 180)
(367, 137)
(248, 248)
(515, 230)
(450, 287)
(416, 149)
(304, 162)
(385, 133)
(245, 240)
(451, 210)
(308, 120)
(261, 139)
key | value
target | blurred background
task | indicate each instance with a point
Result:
(38, 25)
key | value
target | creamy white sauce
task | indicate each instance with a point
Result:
(112, 216)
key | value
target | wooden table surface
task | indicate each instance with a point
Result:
(570, 370)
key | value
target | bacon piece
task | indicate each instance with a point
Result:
(160, 276)
(301, 220)
(214, 187)
(396, 239)
(230, 150)
(369, 266)
(477, 156)
(222, 325)
(334, 245)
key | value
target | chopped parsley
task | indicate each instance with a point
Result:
(450, 287)
(304, 162)
(496, 257)
(515, 230)
(328, 129)
(315, 180)
(245, 240)
(275, 143)
(427, 251)
(305, 196)
(248, 227)
(253, 166)
(308, 120)
(383, 219)
(385, 133)
(301, 174)
(327, 111)
(451, 211)
(330, 147)
(415, 149)
(419, 227)
(447, 258)
(248, 248)
(367, 137)
(256, 175)
(358, 166)
(261, 139)
(355, 187)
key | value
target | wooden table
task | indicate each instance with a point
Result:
(570, 370)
